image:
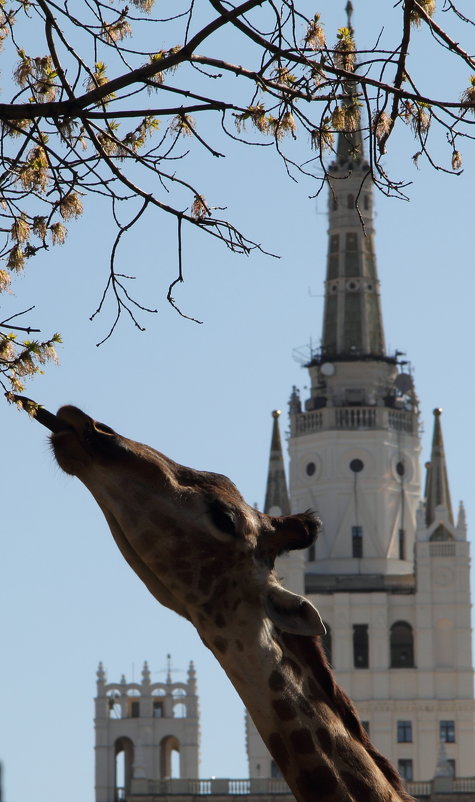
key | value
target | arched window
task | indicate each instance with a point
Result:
(170, 757)
(114, 705)
(179, 710)
(327, 643)
(401, 645)
(124, 761)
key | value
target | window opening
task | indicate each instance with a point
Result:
(360, 646)
(404, 767)
(157, 710)
(357, 541)
(401, 645)
(275, 771)
(402, 544)
(447, 732)
(404, 732)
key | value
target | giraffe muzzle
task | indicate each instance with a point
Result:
(48, 419)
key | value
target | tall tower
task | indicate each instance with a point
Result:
(354, 445)
(390, 571)
(145, 732)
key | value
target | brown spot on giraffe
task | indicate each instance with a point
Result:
(276, 681)
(221, 644)
(302, 741)
(278, 750)
(358, 787)
(325, 740)
(284, 709)
(318, 783)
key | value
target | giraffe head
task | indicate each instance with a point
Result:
(205, 553)
(188, 534)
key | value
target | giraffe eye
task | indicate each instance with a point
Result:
(222, 517)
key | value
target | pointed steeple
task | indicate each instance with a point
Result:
(352, 324)
(437, 482)
(277, 497)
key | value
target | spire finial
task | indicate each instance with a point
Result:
(349, 14)
(276, 413)
(145, 673)
(169, 669)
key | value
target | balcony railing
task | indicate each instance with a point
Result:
(222, 787)
(268, 786)
(349, 418)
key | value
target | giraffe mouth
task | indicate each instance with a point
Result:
(42, 415)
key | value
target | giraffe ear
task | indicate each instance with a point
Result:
(292, 613)
(293, 532)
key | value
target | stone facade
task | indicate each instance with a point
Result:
(146, 733)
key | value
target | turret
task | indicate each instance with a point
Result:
(146, 732)
(354, 442)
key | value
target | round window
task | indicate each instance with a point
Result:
(310, 468)
(356, 465)
(400, 469)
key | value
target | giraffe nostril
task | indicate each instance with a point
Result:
(101, 428)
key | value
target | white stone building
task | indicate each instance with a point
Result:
(146, 734)
(390, 572)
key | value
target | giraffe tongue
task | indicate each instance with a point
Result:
(52, 422)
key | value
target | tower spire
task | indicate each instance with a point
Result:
(277, 497)
(437, 482)
(352, 324)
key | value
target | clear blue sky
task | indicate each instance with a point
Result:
(203, 395)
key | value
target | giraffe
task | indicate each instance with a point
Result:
(209, 556)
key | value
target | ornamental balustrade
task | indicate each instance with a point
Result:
(348, 418)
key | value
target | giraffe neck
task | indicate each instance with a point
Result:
(307, 722)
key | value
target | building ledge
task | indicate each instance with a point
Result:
(359, 583)
(440, 789)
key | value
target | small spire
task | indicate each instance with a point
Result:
(437, 482)
(277, 496)
(145, 674)
(349, 14)
(192, 677)
(462, 517)
(295, 404)
(169, 669)
(100, 673)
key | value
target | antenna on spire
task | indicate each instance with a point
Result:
(349, 14)
(168, 670)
